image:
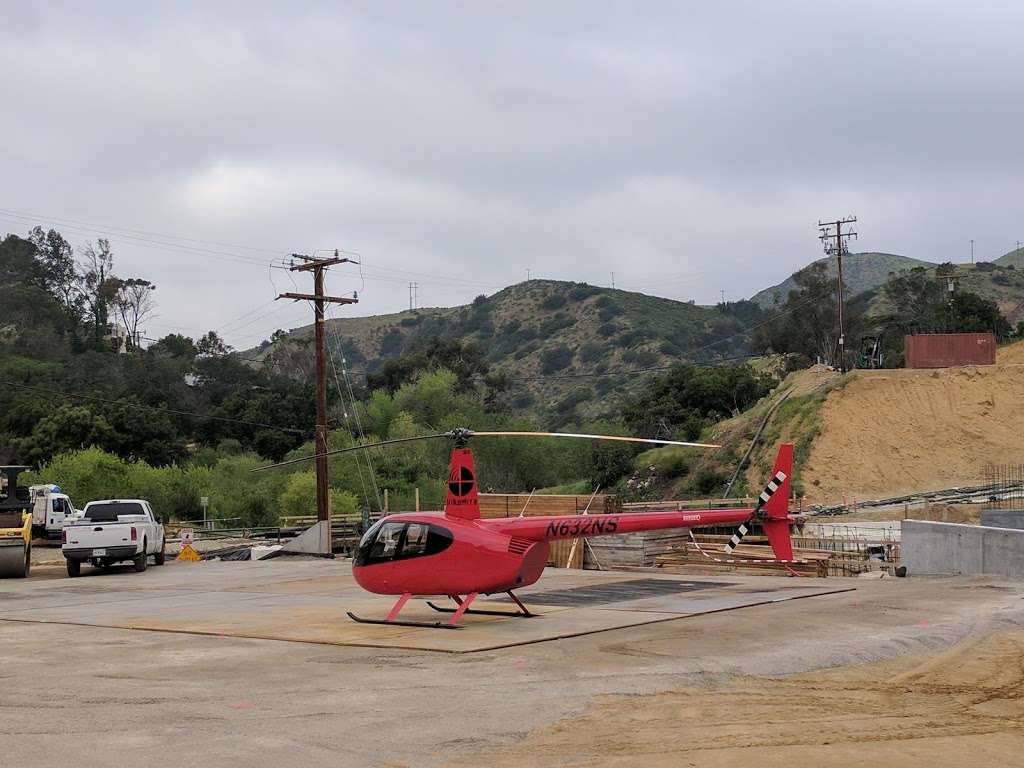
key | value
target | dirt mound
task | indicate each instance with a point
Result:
(957, 708)
(895, 431)
(1011, 355)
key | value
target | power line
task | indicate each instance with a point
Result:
(158, 244)
(25, 214)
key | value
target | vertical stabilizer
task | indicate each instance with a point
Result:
(462, 500)
(776, 523)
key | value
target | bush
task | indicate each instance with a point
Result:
(607, 311)
(526, 349)
(392, 342)
(555, 358)
(629, 338)
(582, 291)
(555, 323)
(553, 301)
(591, 351)
(705, 481)
(608, 329)
(574, 398)
(640, 358)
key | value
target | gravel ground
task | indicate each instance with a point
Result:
(89, 696)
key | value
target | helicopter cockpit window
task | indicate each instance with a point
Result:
(415, 540)
(386, 541)
(385, 545)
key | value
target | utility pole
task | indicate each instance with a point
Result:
(413, 295)
(527, 274)
(722, 291)
(613, 279)
(319, 299)
(972, 251)
(836, 242)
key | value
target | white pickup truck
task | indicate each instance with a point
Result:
(112, 531)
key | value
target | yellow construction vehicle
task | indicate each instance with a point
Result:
(15, 525)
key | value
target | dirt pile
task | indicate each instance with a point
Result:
(961, 707)
(895, 431)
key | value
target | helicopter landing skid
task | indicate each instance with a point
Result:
(392, 617)
(398, 623)
(523, 612)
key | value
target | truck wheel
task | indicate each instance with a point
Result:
(161, 556)
(140, 559)
(28, 561)
(74, 567)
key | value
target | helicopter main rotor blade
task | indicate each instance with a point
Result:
(350, 448)
(465, 434)
(595, 437)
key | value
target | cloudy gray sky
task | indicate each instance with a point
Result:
(688, 147)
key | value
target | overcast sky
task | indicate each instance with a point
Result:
(688, 147)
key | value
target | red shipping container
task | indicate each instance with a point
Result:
(944, 350)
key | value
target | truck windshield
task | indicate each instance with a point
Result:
(108, 513)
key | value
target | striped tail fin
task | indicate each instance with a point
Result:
(773, 508)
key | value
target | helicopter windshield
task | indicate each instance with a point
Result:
(387, 541)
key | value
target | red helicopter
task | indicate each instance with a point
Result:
(456, 553)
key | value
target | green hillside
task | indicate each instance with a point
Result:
(565, 346)
(861, 272)
(1013, 258)
(1001, 283)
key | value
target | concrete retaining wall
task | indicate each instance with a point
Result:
(951, 548)
(1003, 518)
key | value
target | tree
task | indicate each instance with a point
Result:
(55, 261)
(97, 283)
(555, 358)
(175, 345)
(212, 345)
(134, 302)
(687, 398)
(922, 304)
(67, 428)
(462, 358)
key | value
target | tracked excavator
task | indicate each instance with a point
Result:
(15, 524)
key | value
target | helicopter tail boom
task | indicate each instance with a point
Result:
(772, 513)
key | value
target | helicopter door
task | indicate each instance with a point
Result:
(385, 542)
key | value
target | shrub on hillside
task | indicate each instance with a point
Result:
(640, 358)
(555, 358)
(553, 301)
(582, 291)
(392, 342)
(591, 351)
